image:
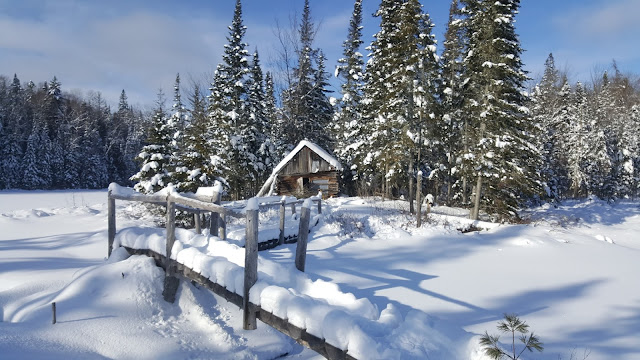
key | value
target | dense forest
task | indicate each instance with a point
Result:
(463, 115)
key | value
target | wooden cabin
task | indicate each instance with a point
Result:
(306, 170)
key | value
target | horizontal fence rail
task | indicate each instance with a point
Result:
(251, 312)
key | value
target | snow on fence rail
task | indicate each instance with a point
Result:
(202, 202)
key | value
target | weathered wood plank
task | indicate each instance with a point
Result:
(419, 201)
(196, 220)
(197, 204)
(215, 217)
(152, 199)
(170, 281)
(303, 234)
(111, 219)
(250, 267)
(282, 216)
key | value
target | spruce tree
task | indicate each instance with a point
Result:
(577, 141)
(53, 112)
(452, 125)
(549, 113)
(176, 125)
(305, 101)
(229, 114)
(261, 112)
(400, 91)
(92, 168)
(154, 157)
(218, 130)
(118, 151)
(36, 169)
(16, 129)
(200, 172)
(276, 127)
(503, 157)
(603, 153)
(349, 126)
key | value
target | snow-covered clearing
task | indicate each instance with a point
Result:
(572, 274)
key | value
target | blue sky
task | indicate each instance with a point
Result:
(140, 45)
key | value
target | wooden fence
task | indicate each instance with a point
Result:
(251, 312)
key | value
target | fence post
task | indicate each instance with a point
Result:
(223, 225)
(215, 217)
(111, 210)
(250, 263)
(303, 235)
(170, 281)
(282, 211)
(320, 202)
(196, 220)
(419, 201)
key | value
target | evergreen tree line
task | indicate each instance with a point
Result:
(50, 139)
(459, 117)
(590, 136)
(462, 118)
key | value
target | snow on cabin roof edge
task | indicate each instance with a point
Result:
(315, 148)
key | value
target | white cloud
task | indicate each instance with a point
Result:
(585, 38)
(139, 51)
(607, 20)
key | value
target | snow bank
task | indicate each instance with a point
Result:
(320, 307)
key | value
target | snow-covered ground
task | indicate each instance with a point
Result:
(572, 273)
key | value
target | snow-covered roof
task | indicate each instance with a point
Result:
(268, 185)
(315, 148)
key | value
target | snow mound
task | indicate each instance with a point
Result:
(320, 307)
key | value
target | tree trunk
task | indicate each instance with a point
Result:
(464, 190)
(411, 209)
(419, 201)
(476, 207)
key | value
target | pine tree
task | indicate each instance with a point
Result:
(4, 139)
(53, 114)
(307, 92)
(378, 93)
(452, 125)
(616, 100)
(228, 110)
(603, 153)
(549, 114)
(276, 128)
(218, 131)
(577, 145)
(349, 126)
(116, 149)
(176, 125)
(400, 90)
(195, 157)
(634, 138)
(321, 111)
(36, 169)
(503, 156)
(258, 105)
(92, 167)
(13, 136)
(154, 157)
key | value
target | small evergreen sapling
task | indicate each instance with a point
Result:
(511, 324)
